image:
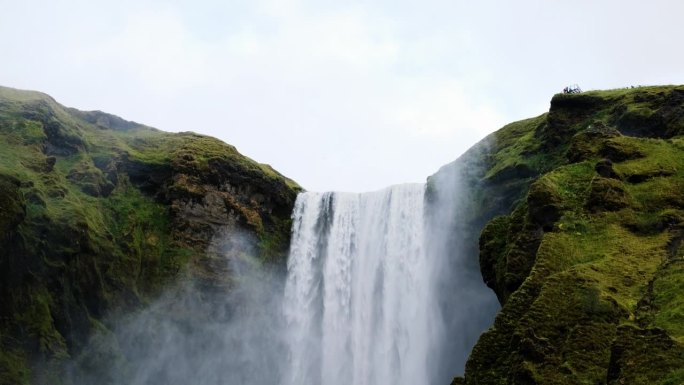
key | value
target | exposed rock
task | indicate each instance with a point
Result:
(50, 163)
(619, 151)
(517, 171)
(508, 247)
(586, 144)
(544, 204)
(604, 168)
(105, 120)
(635, 349)
(607, 195)
(13, 210)
(640, 177)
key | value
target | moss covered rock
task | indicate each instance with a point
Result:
(607, 195)
(98, 215)
(583, 248)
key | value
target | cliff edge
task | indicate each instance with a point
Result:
(99, 214)
(584, 213)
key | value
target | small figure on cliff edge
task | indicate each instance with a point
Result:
(573, 89)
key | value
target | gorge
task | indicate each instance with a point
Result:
(134, 256)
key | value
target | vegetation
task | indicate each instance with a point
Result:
(98, 214)
(586, 256)
(581, 211)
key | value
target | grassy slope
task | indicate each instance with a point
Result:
(587, 259)
(86, 227)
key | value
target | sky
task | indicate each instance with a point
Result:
(337, 95)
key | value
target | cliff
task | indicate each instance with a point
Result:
(582, 217)
(577, 217)
(99, 214)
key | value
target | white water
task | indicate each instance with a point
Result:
(358, 304)
(381, 289)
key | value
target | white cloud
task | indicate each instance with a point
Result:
(441, 109)
(156, 49)
(338, 95)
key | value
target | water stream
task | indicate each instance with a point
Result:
(357, 296)
(381, 288)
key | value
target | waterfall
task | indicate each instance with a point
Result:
(358, 306)
(381, 288)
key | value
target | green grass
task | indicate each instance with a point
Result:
(572, 182)
(13, 368)
(190, 150)
(603, 277)
(668, 288)
(90, 241)
(514, 146)
(36, 318)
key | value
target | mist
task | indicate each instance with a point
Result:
(197, 333)
(466, 306)
(381, 287)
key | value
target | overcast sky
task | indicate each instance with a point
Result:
(338, 95)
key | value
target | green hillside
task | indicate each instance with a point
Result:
(98, 214)
(584, 248)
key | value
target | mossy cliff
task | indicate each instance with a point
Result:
(581, 212)
(98, 214)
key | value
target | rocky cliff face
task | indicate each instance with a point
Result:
(584, 212)
(98, 214)
(577, 216)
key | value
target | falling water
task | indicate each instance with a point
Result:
(381, 288)
(357, 296)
